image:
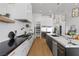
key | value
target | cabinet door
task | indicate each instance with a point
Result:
(3, 8)
(49, 42)
(61, 50)
(54, 48)
(21, 50)
(20, 11)
(50, 45)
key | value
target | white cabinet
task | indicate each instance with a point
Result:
(23, 49)
(29, 12)
(3, 8)
(20, 11)
(17, 10)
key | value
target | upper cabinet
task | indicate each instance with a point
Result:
(20, 11)
(17, 10)
(3, 7)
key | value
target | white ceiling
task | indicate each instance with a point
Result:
(48, 8)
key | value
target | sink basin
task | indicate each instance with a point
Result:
(55, 35)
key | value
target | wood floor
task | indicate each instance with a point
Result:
(40, 48)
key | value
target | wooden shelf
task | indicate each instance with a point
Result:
(6, 19)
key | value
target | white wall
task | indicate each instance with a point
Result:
(44, 20)
(5, 28)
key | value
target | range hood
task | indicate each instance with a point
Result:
(6, 19)
(23, 20)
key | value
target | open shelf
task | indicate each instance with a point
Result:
(6, 19)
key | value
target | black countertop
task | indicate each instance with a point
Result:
(5, 49)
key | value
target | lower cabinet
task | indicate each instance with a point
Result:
(19, 51)
(23, 49)
(56, 48)
(60, 50)
(49, 42)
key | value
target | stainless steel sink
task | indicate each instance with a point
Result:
(55, 35)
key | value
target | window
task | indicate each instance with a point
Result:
(75, 12)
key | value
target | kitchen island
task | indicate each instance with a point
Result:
(60, 46)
